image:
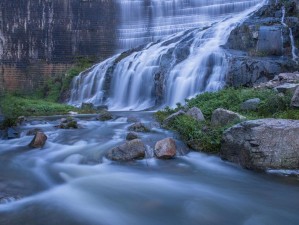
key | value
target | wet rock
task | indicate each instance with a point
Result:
(20, 120)
(104, 115)
(33, 131)
(195, 144)
(68, 123)
(251, 104)
(172, 117)
(263, 144)
(131, 136)
(288, 77)
(287, 87)
(39, 140)
(11, 133)
(295, 99)
(139, 127)
(196, 114)
(131, 150)
(223, 117)
(87, 106)
(132, 119)
(165, 149)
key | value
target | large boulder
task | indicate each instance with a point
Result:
(196, 114)
(250, 104)
(131, 150)
(295, 99)
(263, 144)
(39, 140)
(223, 117)
(138, 127)
(172, 117)
(165, 149)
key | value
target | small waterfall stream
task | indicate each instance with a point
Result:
(294, 49)
(168, 71)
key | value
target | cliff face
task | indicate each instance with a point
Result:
(265, 45)
(40, 38)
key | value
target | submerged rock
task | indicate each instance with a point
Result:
(131, 150)
(295, 99)
(223, 117)
(263, 144)
(138, 127)
(11, 133)
(165, 149)
(196, 114)
(39, 140)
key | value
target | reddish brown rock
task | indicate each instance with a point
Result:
(165, 149)
(39, 140)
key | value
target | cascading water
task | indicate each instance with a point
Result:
(294, 49)
(167, 71)
(149, 20)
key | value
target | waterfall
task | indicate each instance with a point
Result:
(294, 49)
(164, 72)
(144, 21)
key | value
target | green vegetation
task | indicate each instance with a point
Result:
(45, 100)
(14, 106)
(55, 87)
(208, 138)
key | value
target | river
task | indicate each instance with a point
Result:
(70, 181)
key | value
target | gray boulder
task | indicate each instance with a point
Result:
(165, 149)
(295, 99)
(68, 123)
(250, 105)
(39, 140)
(223, 117)
(131, 136)
(263, 144)
(196, 114)
(286, 87)
(172, 117)
(131, 150)
(138, 127)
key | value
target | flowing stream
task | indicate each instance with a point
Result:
(71, 182)
(168, 71)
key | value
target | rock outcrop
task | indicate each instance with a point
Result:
(223, 117)
(165, 149)
(131, 150)
(255, 48)
(263, 144)
(295, 99)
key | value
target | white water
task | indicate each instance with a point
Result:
(144, 21)
(191, 61)
(70, 182)
(294, 49)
